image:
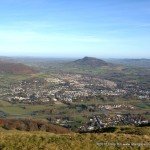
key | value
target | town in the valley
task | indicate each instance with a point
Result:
(89, 96)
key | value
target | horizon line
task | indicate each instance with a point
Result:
(62, 57)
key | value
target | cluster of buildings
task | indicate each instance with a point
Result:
(99, 122)
(119, 106)
(67, 87)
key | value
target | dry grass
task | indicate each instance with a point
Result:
(20, 140)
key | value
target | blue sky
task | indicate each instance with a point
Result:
(75, 28)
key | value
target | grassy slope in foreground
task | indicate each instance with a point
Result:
(20, 140)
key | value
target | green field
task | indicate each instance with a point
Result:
(20, 110)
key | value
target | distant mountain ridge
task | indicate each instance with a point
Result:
(91, 62)
(132, 62)
(15, 68)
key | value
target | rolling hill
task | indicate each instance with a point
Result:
(15, 68)
(31, 125)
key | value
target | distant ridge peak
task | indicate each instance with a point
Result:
(91, 61)
(87, 58)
